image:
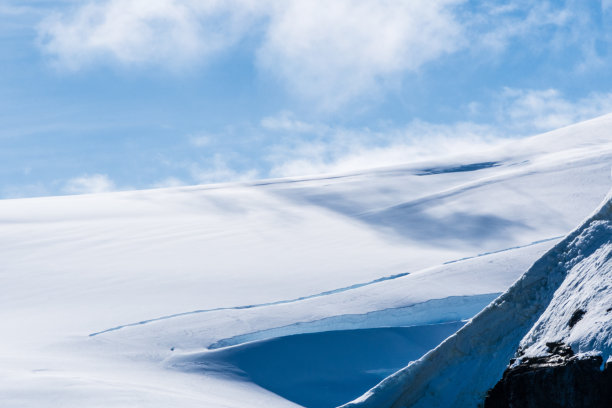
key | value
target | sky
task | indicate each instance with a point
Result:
(110, 95)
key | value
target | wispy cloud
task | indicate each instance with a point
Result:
(531, 111)
(217, 169)
(493, 24)
(169, 33)
(168, 182)
(286, 121)
(347, 48)
(94, 183)
(512, 113)
(200, 139)
(331, 51)
(341, 150)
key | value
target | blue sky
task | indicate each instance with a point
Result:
(121, 94)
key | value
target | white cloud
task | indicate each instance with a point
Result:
(330, 51)
(529, 110)
(515, 112)
(95, 183)
(168, 182)
(200, 139)
(316, 148)
(495, 25)
(552, 28)
(344, 150)
(346, 48)
(218, 170)
(171, 33)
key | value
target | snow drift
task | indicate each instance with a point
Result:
(565, 298)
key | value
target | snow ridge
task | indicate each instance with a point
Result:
(313, 296)
(434, 311)
(567, 277)
(254, 306)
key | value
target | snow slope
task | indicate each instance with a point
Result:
(575, 274)
(586, 287)
(114, 299)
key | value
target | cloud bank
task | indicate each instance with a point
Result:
(347, 48)
(171, 33)
(331, 52)
(340, 49)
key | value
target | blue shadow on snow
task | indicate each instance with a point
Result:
(326, 369)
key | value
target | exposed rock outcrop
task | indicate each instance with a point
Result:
(561, 379)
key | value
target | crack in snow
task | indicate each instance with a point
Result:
(541, 241)
(321, 294)
(257, 305)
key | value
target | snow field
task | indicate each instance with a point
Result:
(313, 254)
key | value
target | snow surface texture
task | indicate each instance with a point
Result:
(154, 298)
(586, 293)
(576, 274)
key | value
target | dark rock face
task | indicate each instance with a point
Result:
(560, 380)
(576, 316)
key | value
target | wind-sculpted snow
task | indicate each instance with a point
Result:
(446, 292)
(319, 370)
(434, 311)
(278, 302)
(575, 274)
(580, 314)
(398, 321)
(457, 169)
